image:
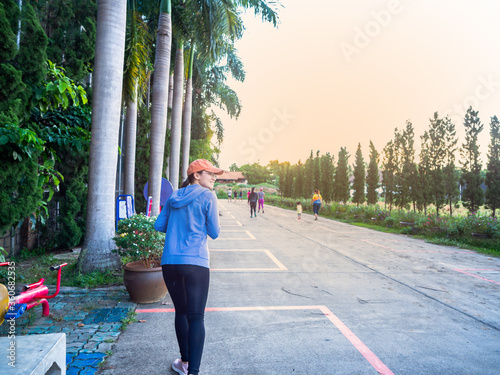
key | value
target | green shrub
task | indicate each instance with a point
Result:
(406, 230)
(221, 194)
(481, 224)
(390, 221)
(407, 216)
(433, 223)
(137, 239)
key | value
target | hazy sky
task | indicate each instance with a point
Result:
(335, 73)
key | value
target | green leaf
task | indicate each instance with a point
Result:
(51, 193)
(63, 86)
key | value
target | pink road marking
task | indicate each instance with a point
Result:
(377, 364)
(416, 251)
(477, 276)
(358, 344)
(334, 231)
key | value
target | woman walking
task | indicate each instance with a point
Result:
(189, 215)
(261, 195)
(316, 200)
(252, 201)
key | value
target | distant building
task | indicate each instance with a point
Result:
(232, 178)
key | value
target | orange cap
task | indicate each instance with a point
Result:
(203, 165)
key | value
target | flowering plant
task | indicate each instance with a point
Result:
(381, 215)
(482, 224)
(137, 240)
(432, 222)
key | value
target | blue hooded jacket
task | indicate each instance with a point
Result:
(189, 215)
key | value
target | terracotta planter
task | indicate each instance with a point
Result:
(144, 285)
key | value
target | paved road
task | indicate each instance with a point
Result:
(323, 297)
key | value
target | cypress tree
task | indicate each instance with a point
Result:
(437, 155)
(309, 175)
(424, 175)
(70, 26)
(400, 191)
(472, 195)
(298, 182)
(372, 178)
(493, 172)
(287, 180)
(358, 184)
(449, 171)
(389, 170)
(32, 55)
(317, 171)
(341, 180)
(21, 71)
(327, 171)
(406, 168)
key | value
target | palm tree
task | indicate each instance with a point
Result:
(159, 103)
(107, 93)
(136, 74)
(175, 134)
(186, 115)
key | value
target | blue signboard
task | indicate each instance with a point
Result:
(124, 207)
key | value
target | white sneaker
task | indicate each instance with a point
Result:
(179, 367)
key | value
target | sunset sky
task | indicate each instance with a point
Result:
(335, 73)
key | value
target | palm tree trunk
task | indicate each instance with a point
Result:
(169, 118)
(107, 87)
(175, 135)
(186, 117)
(130, 144)
(159, 105)
(170, 98)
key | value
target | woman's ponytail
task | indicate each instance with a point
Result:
(188, 181)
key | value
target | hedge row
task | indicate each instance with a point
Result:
(408, 222)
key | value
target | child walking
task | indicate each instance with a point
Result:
(299, 211)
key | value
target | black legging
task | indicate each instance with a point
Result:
(188, 287)
(253, 207)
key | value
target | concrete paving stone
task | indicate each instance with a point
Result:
(67, 329)
(36, 330)
(89, 371)
(87, 351)
(54, 329)
(97, 339)
(91, 356)
(71, 370)
(58, 305)
(77, 362)
(115, 318)
(90, 345)
(74, 345)
(127, 305)
(85, 336)
(69, 358)
(106, 326)
(104, 347)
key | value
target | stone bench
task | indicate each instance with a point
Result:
(34, 354)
